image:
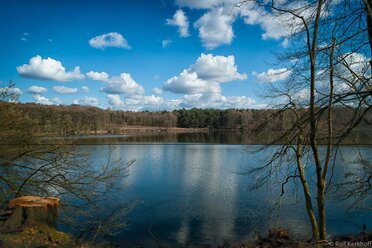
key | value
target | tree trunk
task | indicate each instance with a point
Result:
(368, 9)
(313, 128)
(306, 189)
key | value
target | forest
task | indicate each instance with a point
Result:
(76, 119)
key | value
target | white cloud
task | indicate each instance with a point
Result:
(42, 100)
(65, 90)
(24, 39)
(87, 101)
(45, 101)
(156, 91)
(205, 75)
(48, 69)
(215, 28)
(217, 101)
(85, 89)
(272, 75)
(275, 25)
(36, 90)
(188, 82)
(201, 4)
(148, 102)
(139, 102)
(16, 91)
(57, 101)
(114, 100)
(13, 92)
(352, 67)
(98, 76)
(112, 39)
(217, 68)
(180, 20)
(156, 103)
(123, 84)
(166, 42)
(355, 61)
(250, 13)
(301, 96)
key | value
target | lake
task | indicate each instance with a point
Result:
(193, 192)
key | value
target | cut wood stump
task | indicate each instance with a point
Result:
(30, 211)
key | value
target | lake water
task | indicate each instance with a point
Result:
(195, 194)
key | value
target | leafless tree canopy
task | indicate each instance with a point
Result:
(330, 66)
(27, 167)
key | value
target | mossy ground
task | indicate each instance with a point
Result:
(36, 237)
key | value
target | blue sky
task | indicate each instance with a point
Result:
(138, 55)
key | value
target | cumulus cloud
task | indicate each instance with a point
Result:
(188, 82)
(36, 90)
(85, 89)
(156, 91)
(98, 76)
(205, 4)
(156, 103)
(114, 100)
(42, 100)
(205, 75)
(139, 102)
(180, 20)
(275, 25)
(123, 84)
(357, 62)
(350, 74)
(12, 93)
(48, 69)
(272, 75)
(217, 68)
(166, 42)
(57, 101)
(112, 39)
(87, 101)
(217, 101)
(46, 101)
(17, 92)
(215, 28)
(64, 90)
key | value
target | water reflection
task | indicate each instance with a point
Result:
(209, 194)
(210, 137)
(192, 195)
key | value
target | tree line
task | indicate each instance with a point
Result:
(75, 119)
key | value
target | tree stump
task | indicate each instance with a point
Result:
(29, 211)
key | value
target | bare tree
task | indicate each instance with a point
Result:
(328, 70)
(31, 166)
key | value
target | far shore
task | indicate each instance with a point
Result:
(127, 129)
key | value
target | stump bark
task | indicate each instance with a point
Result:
(30, 211)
